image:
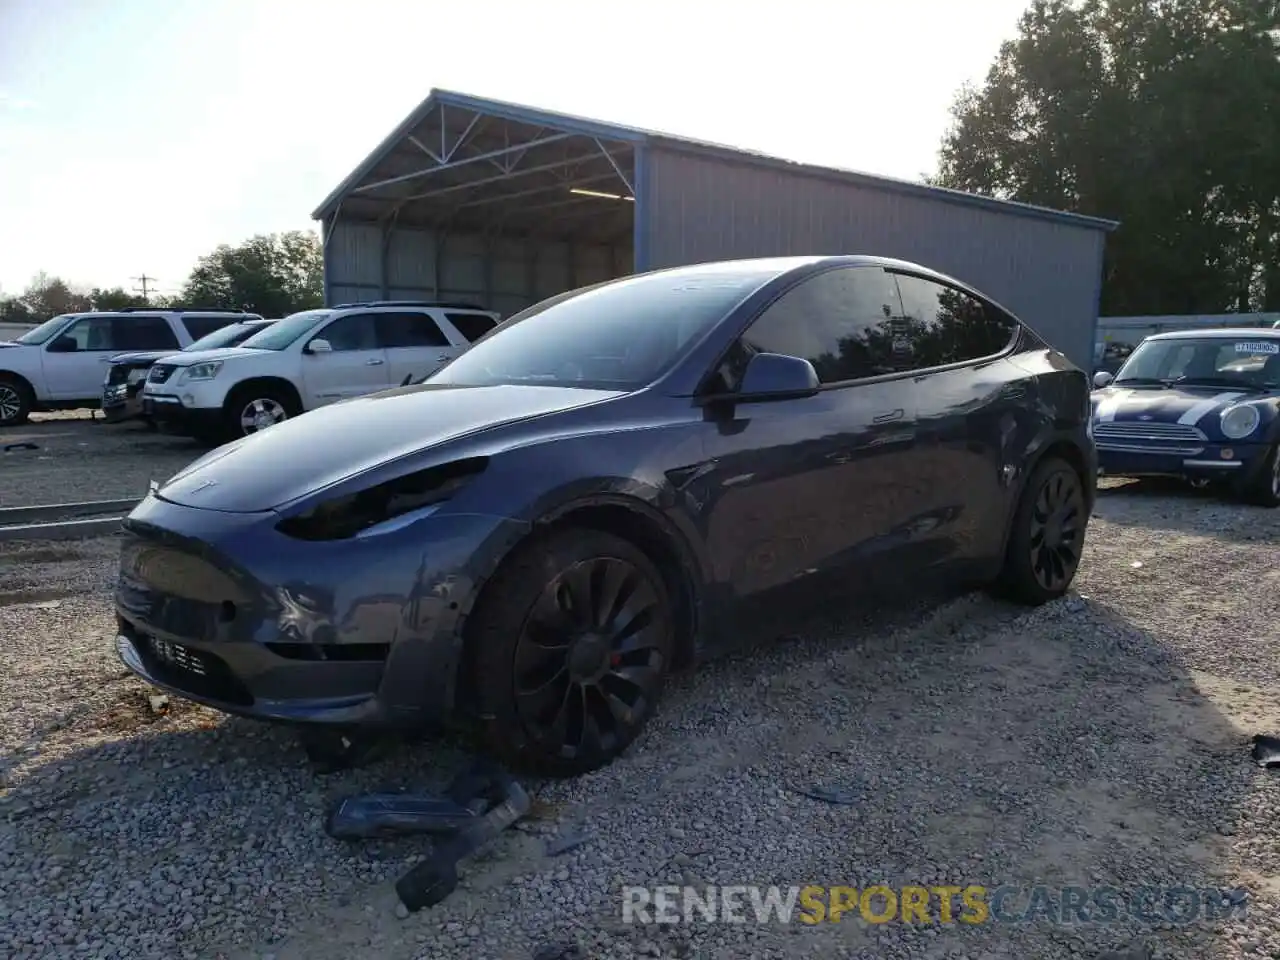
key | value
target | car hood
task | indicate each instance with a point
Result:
(148, 356)
(11, 343)
(187, 357)
(1185, 405)
(292, 459)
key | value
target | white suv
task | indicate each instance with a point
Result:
(60, 364)
(308, 360)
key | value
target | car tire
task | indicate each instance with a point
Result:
(567, 652)
(272, 402)
(1046, 540)
(1265, 489)
(16, 401)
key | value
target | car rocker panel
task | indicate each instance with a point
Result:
(1193, 432)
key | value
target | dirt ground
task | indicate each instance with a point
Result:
(1100, 741)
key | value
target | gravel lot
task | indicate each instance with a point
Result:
(1102, 740)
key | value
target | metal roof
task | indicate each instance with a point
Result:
(451, 137)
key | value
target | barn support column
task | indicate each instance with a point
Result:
(642, 228)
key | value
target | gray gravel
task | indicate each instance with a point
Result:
(1102, 740)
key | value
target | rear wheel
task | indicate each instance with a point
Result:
(1047, 539)
(568, 652)
(253, 409)
(16, 401)
(1265, 489)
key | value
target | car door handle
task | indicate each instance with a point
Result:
(888, 417)
(372, 363)
(442, 358)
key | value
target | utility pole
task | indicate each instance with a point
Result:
(144, 280)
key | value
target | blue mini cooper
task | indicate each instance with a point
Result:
(1203, 405)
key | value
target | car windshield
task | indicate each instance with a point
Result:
(284, 332)
(1244, 362)
(227, 336)
(619, 335)
(44, 332)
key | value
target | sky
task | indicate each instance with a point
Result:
(137, 135)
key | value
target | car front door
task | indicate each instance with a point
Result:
(415, 345)
(822, 485)
(354, 364)
(973, 415)
(76, 361)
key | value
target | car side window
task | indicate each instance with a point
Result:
(355, 331)
(472, 326)
(143, 333)
(946, 325)
(203, 326)
(409, 330)
(91, 333)
(842, 321)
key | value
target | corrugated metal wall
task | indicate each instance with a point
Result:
(506, 275)
(700, 208)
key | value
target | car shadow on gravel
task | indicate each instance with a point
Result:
(985, 744)
(1176, 506)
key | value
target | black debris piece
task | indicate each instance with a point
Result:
(830, 794)
(436, 877)
(333, 751)
(25, 445)
(1266, 750)
(565, 842)
(379, 815)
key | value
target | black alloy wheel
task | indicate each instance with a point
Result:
(1057, 530)
(1046, 541)
(571, 645)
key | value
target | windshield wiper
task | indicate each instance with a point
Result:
(1217, 382)
(1152, 381)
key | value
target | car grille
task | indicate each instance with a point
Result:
(1179, 439)
(161, 372)
(176, 656)
(183, 668)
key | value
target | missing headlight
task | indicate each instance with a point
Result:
(346, 517)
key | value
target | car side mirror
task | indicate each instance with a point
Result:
(776, 376)
(319, 346)
(1101, 379)
(64, 344)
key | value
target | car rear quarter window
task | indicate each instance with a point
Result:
(409, 329)
(842, 321)
(203, 326)
(946, 325)
(472, 326)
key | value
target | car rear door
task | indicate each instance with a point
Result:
(819, 485)
(415, 344)
(355, 365)
(973, 408)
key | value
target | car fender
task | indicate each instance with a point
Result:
(25, 362)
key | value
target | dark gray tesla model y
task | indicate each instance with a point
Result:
(617, 481)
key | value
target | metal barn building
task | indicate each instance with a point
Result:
(501, 204)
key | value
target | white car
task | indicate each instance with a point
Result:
(307, 360)
(60, 364)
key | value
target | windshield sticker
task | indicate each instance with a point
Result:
(1260, 347)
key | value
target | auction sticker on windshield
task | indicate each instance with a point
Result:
(1260, 347)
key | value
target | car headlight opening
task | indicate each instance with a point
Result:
(1239, 422)
(203, 371)
(384, 507)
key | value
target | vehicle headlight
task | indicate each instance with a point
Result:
(203, 371)
(385, 507)
(1239, 422)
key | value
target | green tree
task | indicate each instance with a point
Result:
(273, 275)
(47, 296)
(117, 298)
(1163, 114)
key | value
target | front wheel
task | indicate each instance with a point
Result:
(568, 650)
(15, 401)
(1265, 489)
(1047, 539)
(254, 409)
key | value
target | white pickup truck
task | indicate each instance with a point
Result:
(61, 364)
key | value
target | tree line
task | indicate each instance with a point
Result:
(274, 275)
(1162, 114)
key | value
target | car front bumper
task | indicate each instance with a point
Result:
(170, 412)
(1235, 462)
(223, 609)
(121, 402)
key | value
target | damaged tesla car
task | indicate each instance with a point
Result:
(616, 482)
